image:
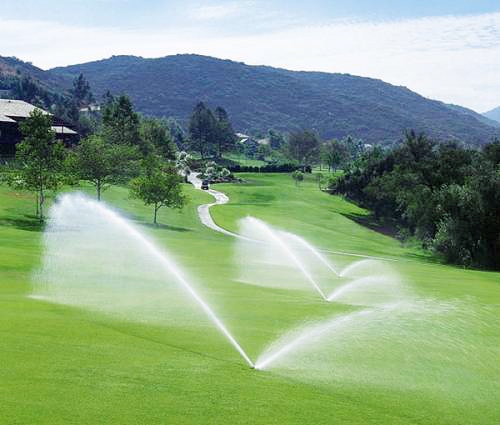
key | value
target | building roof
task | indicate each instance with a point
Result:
(3, 118)
(60, 129)
(17, 108)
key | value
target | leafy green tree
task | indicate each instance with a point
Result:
(319, 179)
(177, 133)
(120, 122)
(82, 95)
(444, 194)
(276, 139)
(354, 147)
(335, 154)
(262, 152)
(40, 158)
(303, 146)
(100, 163)
(203, 130)
(492, 152)
(156, 135)
(225, 137)
(159, 188)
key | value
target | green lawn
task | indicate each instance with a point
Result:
(61, 364)
(242, 160)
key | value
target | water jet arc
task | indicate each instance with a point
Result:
(306, 335)
(166, 264)
(289, 253)
(315, 252)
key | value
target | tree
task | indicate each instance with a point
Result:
(203, 130)
(225, 173)
(183, 164)
(303, 146)
(40, 157)
(99, 163)
(177, 133)
(297, 176)
(276, 139)
(446, 195)
(82, 95)
(319, 179)
(335, 154)
(226, 138)
(262, 152)
(155, 135)
(160, 188)
(120, 122)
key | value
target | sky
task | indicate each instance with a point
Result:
(447, 50)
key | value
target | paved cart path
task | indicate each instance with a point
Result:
(221, 198)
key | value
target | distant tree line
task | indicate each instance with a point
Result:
(444, 194)
(269, 168)
(210, 133)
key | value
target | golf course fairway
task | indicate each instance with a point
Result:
(433, 360)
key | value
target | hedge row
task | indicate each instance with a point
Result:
(269, 168)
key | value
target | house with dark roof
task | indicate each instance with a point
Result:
(13, 112)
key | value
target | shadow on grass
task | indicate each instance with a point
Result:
(369, 221)
(24, 222)
(165, 227)
(390, 229)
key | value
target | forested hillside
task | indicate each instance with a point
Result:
(258, 97)
(494, 114)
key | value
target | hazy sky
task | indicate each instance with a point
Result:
(444, 49)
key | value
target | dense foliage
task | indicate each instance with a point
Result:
(210, 134)
(40, 158)
(444, 194)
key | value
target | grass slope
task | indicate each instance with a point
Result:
(67, 365)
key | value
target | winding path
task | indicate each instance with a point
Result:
(204, 210)
(221, 198)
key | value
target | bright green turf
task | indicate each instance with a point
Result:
(240, 159)
(64, 365)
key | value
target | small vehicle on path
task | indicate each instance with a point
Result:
(205, 185)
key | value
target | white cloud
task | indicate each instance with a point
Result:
(454, 59)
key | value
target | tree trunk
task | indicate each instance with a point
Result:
(42, 200)
(37, 205)
(154, 219)
(98, 188)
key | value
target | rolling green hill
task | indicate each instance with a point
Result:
(259, 97)
(434, 362)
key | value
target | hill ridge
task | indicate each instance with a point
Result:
(260, 97)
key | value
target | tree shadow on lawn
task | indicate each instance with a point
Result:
(369, 221)
(164, 226)
(25, 222)
(388, 229)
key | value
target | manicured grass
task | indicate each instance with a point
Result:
(240, 159)
(61, 364)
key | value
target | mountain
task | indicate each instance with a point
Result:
(481, 117)
(13, 68)
(494, 114)
(261, 97)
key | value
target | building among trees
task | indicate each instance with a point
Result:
(14, 112)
